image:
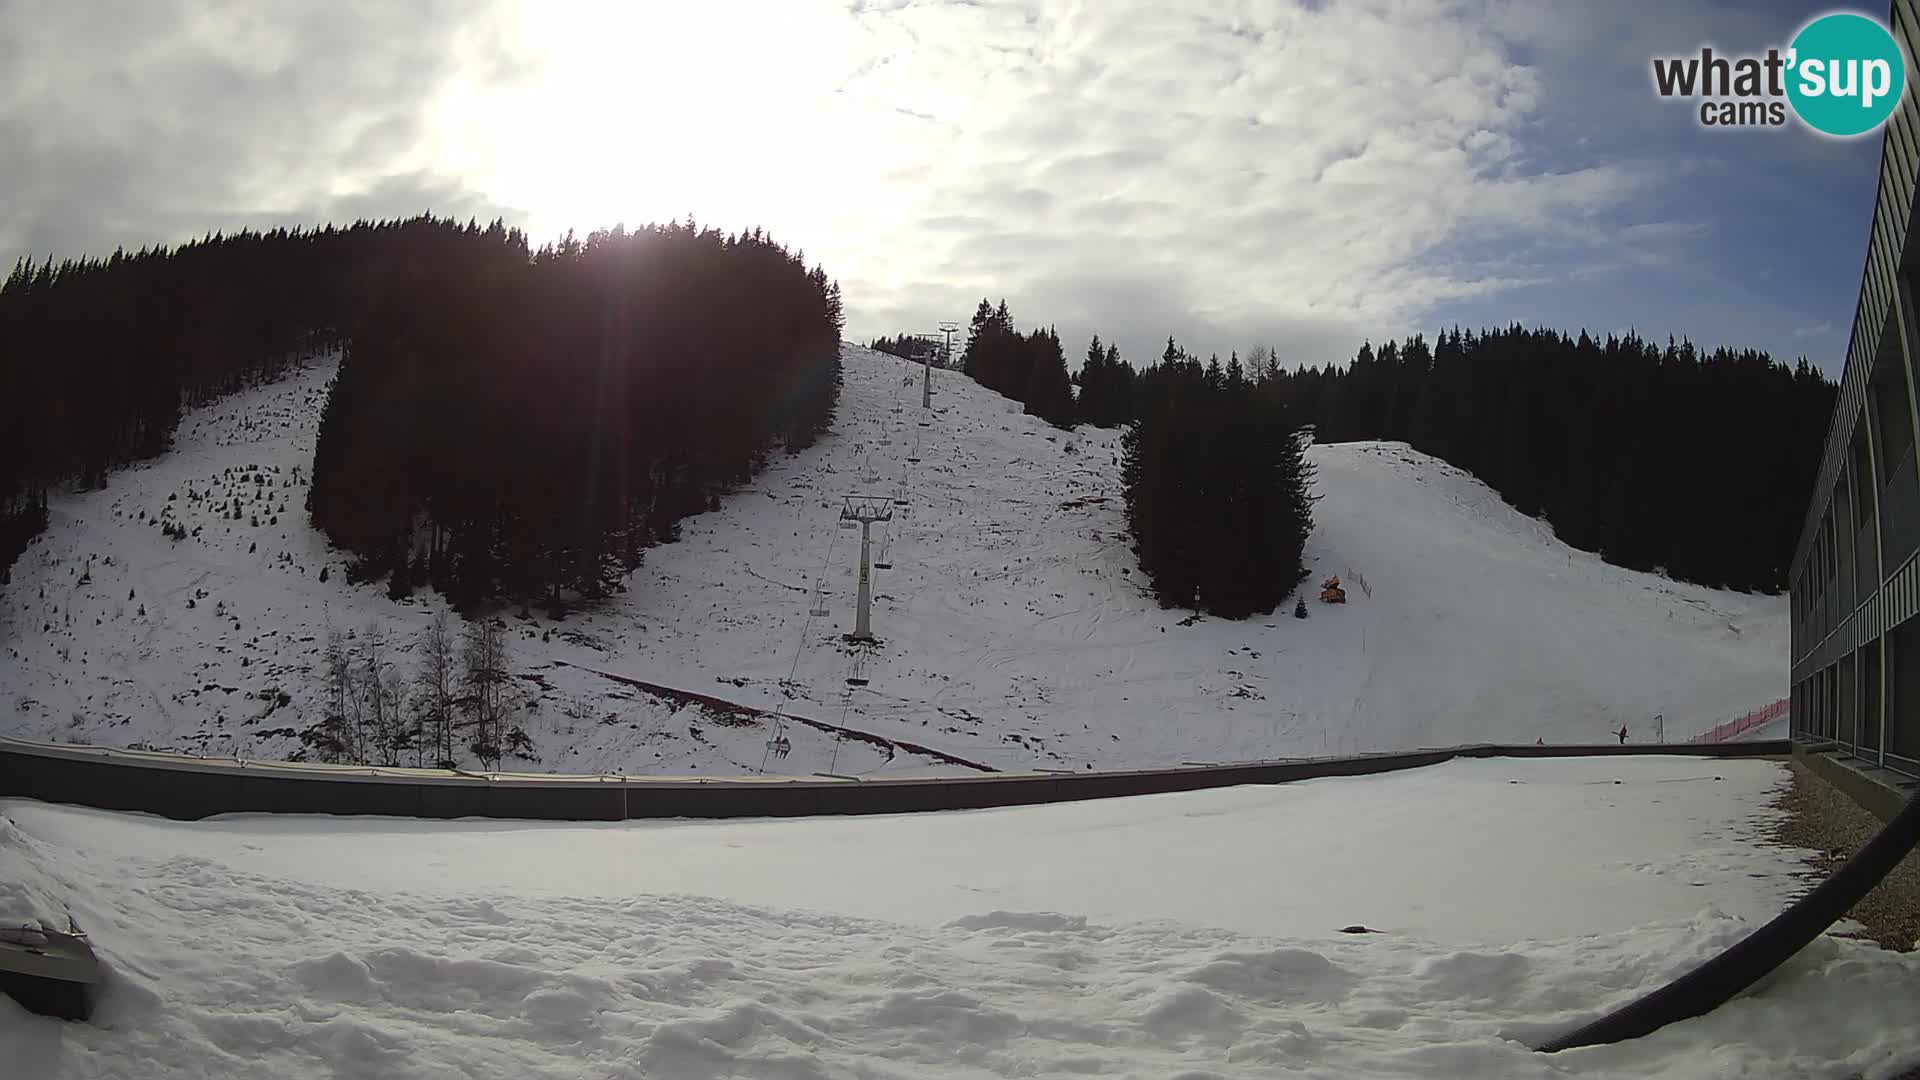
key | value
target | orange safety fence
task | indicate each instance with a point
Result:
(1740, 725)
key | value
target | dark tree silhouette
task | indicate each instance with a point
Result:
(1217, 488)
(505, 423)
(1656, 457)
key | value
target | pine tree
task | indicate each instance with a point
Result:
(1049, 391)
(1216, 488)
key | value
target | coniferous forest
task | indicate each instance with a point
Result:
(1670, 458)
(906, 348)
(506, 424)
(1217, 486)
(1029, 368)
(525, 429)
(1657, 458)
(1215, 474)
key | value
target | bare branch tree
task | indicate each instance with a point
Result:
(438, 687)
(379, 744)
(339, 674)
(483, 671)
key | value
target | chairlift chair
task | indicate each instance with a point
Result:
(856, 680)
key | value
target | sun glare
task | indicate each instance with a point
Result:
(647, 111)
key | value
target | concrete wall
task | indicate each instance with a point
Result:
(1882, 792)
(188, 788)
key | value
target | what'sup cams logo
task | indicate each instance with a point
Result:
(1842, 76)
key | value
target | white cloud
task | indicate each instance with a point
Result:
(1229, 171)
(1247, 171)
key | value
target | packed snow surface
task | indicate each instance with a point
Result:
(1192, 935)
(1016, 630)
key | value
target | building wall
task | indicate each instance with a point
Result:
(1856, 578)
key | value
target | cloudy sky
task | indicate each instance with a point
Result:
(1302, 173)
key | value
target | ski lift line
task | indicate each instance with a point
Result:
(840, 737)
(816, 603)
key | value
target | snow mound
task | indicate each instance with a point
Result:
(318, 947)
(1016, 631)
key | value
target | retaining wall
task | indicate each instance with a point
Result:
(188, 788)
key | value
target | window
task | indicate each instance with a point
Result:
(1903, 700)
(1892, 415)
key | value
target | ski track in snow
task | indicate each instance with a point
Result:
(1016, 630)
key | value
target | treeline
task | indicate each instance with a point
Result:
(1216, 484)
(648, 369)
(459, 697)
(1029, 368)
(1656, 457)
(522, 429)
(1669, 458)
(98, 356)
(909, 347)
(1215, 474)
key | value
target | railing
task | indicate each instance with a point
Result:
(1743, 724)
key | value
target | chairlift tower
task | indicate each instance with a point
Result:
(947, 329)
(865, 509)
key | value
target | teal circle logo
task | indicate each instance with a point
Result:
(1845, 74)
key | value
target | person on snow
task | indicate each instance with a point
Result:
(1623, 734)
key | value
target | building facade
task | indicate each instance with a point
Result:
(1855, 577)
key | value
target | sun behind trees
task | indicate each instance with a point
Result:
(524, 429)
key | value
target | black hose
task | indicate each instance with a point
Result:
(1708, 986)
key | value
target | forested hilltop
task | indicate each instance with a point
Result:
(507, 423)
(1673, 458)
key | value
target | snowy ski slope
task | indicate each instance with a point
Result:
(1016, 630)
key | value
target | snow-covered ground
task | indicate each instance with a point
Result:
(1016, 631)
(1192, 935)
